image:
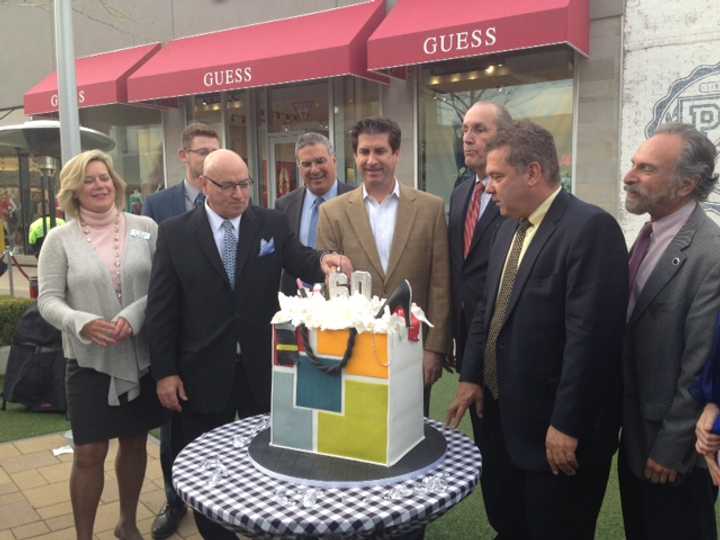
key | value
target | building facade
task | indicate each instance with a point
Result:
(574, 86)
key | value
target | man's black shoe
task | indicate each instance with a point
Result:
(167, 521)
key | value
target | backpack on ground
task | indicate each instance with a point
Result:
(35, 374)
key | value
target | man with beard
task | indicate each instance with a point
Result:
(318, 169)
(674, 299)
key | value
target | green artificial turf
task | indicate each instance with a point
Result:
(19, 423)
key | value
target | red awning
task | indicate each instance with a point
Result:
(420, 31)
(316, 46)
(101, 79)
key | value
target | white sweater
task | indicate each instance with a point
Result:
(76, 288)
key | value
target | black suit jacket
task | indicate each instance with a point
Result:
(467, 276)
(165, 204)
(194, 319)
(558, 353)
(291, 205)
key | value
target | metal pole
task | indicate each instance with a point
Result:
(67, 82)
(10, 270)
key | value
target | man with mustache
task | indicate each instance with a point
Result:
(395, 232)
(318, 169)
(674, 299)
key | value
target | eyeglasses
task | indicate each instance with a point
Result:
(202, 152)
(226, 187)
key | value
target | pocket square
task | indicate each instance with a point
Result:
(267, 247)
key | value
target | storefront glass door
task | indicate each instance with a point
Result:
(283, 169)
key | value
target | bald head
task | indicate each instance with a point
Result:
(226, 183)
(223, 160)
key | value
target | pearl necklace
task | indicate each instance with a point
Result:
(115, 274)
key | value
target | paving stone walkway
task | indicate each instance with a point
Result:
(35, 497)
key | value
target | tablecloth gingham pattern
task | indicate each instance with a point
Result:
(216, 477)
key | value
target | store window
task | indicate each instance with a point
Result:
(207, 108)
(238, 122)
(536, 86)
(138, 152)
(283, 114)
(355, 99)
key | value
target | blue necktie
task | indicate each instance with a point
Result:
(199, 200)
(314, 214)
(229, 251)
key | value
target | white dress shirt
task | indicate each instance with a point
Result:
(382, 218)
(485, 197)
(216, 222)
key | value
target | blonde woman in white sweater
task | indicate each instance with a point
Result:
(93, 276)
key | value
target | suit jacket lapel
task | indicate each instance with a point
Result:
(546, 230)
(179, 200)
(206, 241)
(295, 211)
(490, 213)
(360, 223)
(249, 227)
(669, 264)
(404, 222)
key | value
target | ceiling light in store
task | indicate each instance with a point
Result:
(472, 75)
(435, 80)
(500, 64)
(490, 69)
(216, 107)
(455, 78)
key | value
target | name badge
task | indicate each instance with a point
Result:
(142, 235)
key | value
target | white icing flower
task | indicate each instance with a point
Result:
(354, 311)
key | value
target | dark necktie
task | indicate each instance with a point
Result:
(639, 251)
(472, 215)
(312, 229)
(199, 200)
(498, 318)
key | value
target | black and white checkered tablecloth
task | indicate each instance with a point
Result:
(215, 476)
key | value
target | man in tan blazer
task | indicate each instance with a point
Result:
(395, 232)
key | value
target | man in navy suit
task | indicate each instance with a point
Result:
(198, 140)
(542, 360)
(213, 290)
(318, 169)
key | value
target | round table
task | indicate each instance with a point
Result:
(216, 477)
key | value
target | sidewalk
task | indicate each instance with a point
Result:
(35, 497)
(20, 282)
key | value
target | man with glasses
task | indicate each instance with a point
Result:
(318, 169)
(198, 140)
(212, 293)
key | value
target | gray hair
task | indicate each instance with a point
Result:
(697, 159)
(503, 119)
(312, 138)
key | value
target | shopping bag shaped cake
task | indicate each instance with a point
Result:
(345, 383)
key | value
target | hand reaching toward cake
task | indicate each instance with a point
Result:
(334, 262)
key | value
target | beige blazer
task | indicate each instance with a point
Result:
(76, 288)
(419, 252)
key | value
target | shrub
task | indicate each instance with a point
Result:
(11, 309)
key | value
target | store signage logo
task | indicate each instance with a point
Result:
(694, 100)
(54, 99)
(223, 77)
(460, 41)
